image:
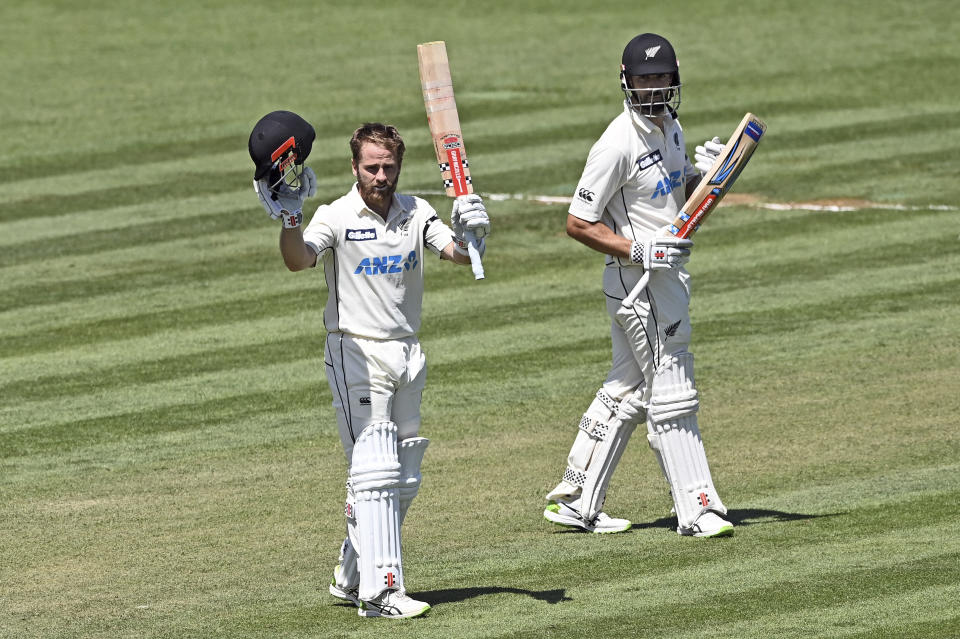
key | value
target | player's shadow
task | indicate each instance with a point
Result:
(739, 517)
(451, 595)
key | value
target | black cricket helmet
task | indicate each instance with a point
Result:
(650, 54)
(279, 144)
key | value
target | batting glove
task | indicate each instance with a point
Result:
(707, 154)
(287, 203)
(660, 253)
(470, 216)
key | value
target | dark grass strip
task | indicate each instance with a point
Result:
(915, 299)
(133, 425)
(295, 347)
(859, 132)
(167, 368)
(945, 629)
(798, 274)
(139, 276)
(408, 121)
(847, 177)
(278, 305)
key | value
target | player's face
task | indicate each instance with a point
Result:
(651, 93)
(377, 171)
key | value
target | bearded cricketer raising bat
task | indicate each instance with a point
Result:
(444, 122)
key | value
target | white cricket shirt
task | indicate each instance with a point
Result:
(635, 177)
(374, 268)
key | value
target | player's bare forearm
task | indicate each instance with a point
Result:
(296, 254)
(448, 253)
(598, 236)
(692, 186)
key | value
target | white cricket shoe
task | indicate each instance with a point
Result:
(393, 604)
(709, 524)
(344, 592)
(565, 514)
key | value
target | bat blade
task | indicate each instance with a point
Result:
(721, 176)
(444, 122)
(443, 118)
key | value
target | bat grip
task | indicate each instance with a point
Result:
(473, 249)
(635, 293)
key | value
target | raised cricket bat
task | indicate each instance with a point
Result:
(444, 124)
(712, 187)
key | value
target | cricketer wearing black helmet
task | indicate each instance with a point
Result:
(650, 75)
(635, 181)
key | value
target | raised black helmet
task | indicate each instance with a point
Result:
(279, 144)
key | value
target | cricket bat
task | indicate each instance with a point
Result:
(444, 122)
(713, 186)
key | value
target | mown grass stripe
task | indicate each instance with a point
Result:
(171, 384)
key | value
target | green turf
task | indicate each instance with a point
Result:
(169, 461)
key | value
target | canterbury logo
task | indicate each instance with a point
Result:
(652, 51)
(585, 195)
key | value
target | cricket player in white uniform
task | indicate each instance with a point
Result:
(637, 177)
(372, 244)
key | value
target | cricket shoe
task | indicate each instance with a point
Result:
(393, 604)
(564, 514)
(344, 592)
(709, 524)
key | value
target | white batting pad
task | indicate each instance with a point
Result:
(375, 478)
(601, 409)
(612, 441)
(674, 436)
(410, 454)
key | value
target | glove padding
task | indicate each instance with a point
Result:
(660, 252)
(707, 154)
(288, 200)
(469, 215)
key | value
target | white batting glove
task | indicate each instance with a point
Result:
(287, 203)
(707, 154)
(469, 215)
(661, 253)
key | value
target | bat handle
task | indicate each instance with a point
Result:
(473, 245)
(635, 293)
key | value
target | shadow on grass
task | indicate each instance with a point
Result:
(451, 595)
(740, 517)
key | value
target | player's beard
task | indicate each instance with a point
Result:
(379, 195)
(652, 103)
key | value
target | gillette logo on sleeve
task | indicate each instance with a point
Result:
(361, 235)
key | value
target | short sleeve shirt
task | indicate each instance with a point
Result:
(635, 177)
(374, 267)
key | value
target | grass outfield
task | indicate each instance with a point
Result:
(169, 463)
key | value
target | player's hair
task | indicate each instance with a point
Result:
(383, 135)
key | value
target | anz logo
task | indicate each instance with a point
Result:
(386, 264)
(666, 186)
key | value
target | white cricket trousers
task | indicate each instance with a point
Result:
(373, 381)
(658, 324)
